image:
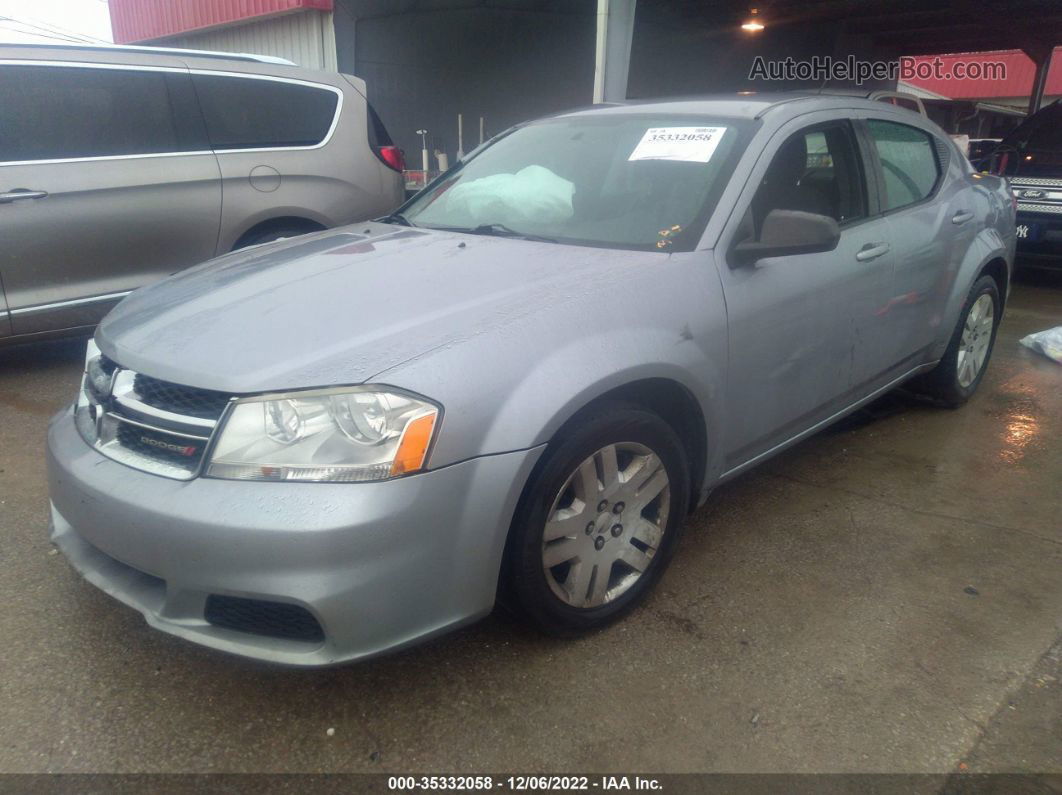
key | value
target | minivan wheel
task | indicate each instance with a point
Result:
(599, 521)
(963, 365)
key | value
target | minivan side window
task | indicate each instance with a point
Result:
(57, 112)
(255, 113)
(908, 161)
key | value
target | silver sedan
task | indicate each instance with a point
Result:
(519, 384)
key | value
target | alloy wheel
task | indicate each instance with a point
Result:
(976, 336)
(606, 524)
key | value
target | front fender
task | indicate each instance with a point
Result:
(592, 367)
(513, 387)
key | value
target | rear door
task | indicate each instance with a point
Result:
(107, 183)
(269, 134)
(932, 224)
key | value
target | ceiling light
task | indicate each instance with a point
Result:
(753, 23)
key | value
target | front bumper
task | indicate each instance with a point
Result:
(379, 565)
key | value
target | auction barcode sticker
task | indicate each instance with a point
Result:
(692, 144)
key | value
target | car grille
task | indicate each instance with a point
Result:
(1037, 194)
(178, 399)
(145, 422)
(1029, 207)
(273, 619)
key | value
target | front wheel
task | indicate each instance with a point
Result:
(598, 521)
(963, 365)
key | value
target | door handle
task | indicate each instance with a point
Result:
(961, 217)
(21, 193)
(872, 251)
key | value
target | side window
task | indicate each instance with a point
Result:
(908, 161)
(56, 112)
(817, 170)
(252, 113)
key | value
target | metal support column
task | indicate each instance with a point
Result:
(1041, 56)
(615, 29)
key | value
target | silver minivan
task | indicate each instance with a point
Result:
(119, 166)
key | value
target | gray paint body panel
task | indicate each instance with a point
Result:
(513, 337)
(338, 549)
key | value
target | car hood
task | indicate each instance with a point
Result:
(339, 307)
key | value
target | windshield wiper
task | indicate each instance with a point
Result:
(499, 230)
(395, 218)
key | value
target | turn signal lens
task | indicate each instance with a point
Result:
(413, 448)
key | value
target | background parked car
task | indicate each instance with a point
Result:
(119, 166)
(1031, 159)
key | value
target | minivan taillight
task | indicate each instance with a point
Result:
(392, 156)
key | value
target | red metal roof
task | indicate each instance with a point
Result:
(1020, 71)
(142, 20)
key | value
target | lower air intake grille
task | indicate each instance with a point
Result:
(272, 619)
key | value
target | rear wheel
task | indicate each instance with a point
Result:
(963, 365)
(599, 521)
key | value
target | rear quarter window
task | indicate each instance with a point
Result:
(255, 113)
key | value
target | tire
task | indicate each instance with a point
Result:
(954, 380)
(558, 515)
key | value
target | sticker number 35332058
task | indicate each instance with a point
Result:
(692, 144)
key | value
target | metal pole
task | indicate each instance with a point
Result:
(460, 137)
(612, 55)
(600, 51)
(1036, 96)
(424, 150)
(481, 129)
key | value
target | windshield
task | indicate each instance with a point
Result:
(621, 181)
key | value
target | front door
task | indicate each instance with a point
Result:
(106, 184)
(805, 329)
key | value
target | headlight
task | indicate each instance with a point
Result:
(338, 435)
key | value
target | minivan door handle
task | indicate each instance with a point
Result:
(21, 193)
(961, 217)
(872, 251)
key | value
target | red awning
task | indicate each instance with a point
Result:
(143, 20)
(1020, 72)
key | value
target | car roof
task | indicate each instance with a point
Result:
(133, 49)
(745, 104)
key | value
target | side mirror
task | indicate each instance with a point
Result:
(789, 232)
